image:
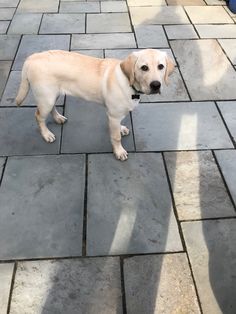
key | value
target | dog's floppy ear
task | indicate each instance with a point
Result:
(169, 68)
(128, 65)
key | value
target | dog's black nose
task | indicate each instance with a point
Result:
(155, 86)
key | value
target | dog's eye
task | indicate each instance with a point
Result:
(160, 66)
(144, 68)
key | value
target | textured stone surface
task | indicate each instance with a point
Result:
(8, 46)
(87, 128)
(180, 32)
(35, 6)
(42, 202)
(11, 89)
(2, 161)
(198, 189)
(68, 286)
(179, 126)
(79, 7)
(98, 23)
(6, 13)
(20, 135)
(8, 3)
(150, 36)
(6, 271)
(25, 24)
(227, 162)
(205, 81)
(5, 67)
(62, 23)
(133, 213)
(139, 3)
(229, 46)
(103, 41)
(216, 31)
(185, 2)
(97, 53)
(168, 285)
(158, 15)
(207, 14)
(212, 254)
(3, 26)
(36, 43)
(228, 110)
(113, 6)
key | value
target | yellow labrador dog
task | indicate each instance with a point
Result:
(115, 83)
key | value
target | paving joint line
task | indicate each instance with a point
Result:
(122, 278)
(3, 170)
(84, 230)
(11, 288)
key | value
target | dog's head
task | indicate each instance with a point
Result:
(147, 69)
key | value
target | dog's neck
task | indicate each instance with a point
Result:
(136, 94)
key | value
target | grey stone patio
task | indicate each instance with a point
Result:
(81, 232)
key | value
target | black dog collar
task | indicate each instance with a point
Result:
(137, 93)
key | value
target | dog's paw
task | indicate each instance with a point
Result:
(48, 136)
(121, 154)
(124, 130)
(60, 119)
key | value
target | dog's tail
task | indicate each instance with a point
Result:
(24, 86)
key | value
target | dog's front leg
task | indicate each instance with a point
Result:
(115, 129)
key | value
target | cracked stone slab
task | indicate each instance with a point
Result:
(6, 272)
(36, 43)
(5, 67)
(212, 252)
(98, 23)
(217, 31)
(35, 6)
(87, 128)
(227, 164)
(169, 287)
(180, 32)
(208, 14)
(128, 216)
(228, 110)
(38, 217)
(229, 46)
(8, 46)
(197, 60)
(158, 15)
(103, 41)
(62, 23)
(6, 13)
(4, 26)
(11, 89)
(199, 191)
(179, 126)
(151, 36)
(113, 6)
(68, 286)
(25, 23)
(20, 134)
(79, 7)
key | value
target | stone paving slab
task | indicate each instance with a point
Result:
(6, 13)
(68, 286)
(158, 15)
(208, 14)
(25, 23)
(197, 186)
(229, 46)
(168, 284)
(4, 26)
(6, 272)
(97, 53)
(227, 164)
(8, 3)
(129, 206)
(8, 46)
(5, 67)
(11, 89)
(98, 23)
(103, 41)
(41, 215)
(20, 134)
(80, 7)
(2, 162)
(179, 126)
(217, 31)
(150, 36)
(228, 110)
(36, 43)
(87, 128)
(113, 6)
(212, 253)
(180, 32)
(138, 3)
(205, 81)
(62, 23)
(185, 2)
(35, 6)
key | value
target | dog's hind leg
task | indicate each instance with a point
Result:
(41, 115)
(58, 118)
